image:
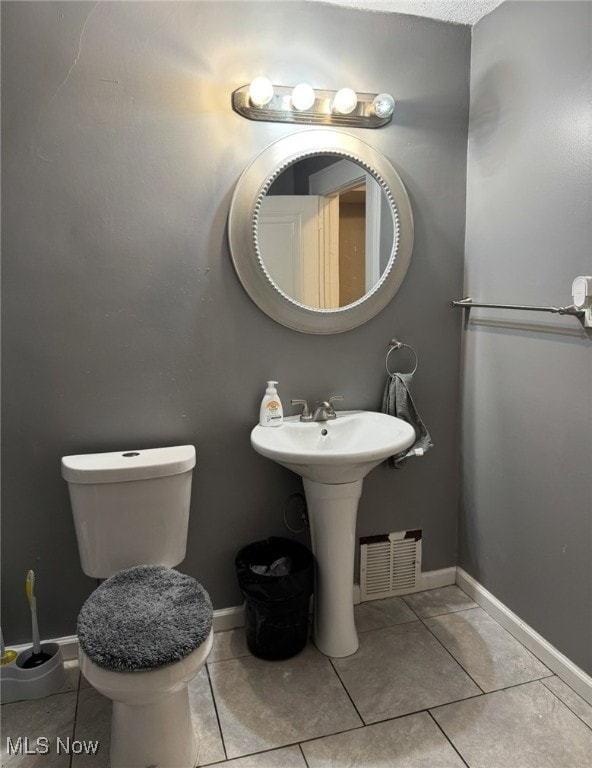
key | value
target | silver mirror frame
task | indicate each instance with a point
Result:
(242, 231)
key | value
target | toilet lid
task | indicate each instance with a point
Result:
(143, 618)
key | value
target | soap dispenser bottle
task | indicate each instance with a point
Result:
(271, 413)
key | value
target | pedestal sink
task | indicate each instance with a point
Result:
(333, 457)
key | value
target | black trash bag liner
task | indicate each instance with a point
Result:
(276, 607)
(281, 567)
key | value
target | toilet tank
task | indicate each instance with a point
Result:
(130, 507)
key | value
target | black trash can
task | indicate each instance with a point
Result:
(276, 577)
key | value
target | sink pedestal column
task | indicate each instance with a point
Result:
(332, 512)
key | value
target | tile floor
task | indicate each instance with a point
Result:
(436, 683)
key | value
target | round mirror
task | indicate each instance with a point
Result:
(320, 231)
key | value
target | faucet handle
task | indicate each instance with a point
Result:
(306, 414)
(335, 397)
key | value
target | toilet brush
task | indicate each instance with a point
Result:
(38, 656)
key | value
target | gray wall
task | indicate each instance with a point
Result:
(526, 526)
(124, 323)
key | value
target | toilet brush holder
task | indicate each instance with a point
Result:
(18, 683)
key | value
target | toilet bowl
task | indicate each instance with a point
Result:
(151, 722)
(146, 631)
(144, 634)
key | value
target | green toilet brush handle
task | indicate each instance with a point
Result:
(30, 590)
(37, 656)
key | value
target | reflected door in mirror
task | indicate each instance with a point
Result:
(291, 236)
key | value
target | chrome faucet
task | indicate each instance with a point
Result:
(325, 411)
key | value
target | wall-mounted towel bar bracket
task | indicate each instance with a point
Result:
(584, 316)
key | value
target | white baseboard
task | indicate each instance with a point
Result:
(575, 677)
(229, 618)
(434, 579)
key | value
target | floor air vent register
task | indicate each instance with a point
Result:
(390, 564)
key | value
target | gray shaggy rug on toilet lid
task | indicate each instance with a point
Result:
(144, 617)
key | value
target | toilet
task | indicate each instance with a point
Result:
(146, 631)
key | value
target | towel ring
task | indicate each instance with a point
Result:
(396, 344)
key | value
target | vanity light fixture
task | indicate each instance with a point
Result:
(260, 100)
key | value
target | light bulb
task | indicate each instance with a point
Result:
(260, 91)
(345, 101)
(303, 97)
(383, 105)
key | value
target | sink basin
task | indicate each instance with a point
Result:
(340, 451)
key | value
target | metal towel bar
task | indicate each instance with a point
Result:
(467, 303)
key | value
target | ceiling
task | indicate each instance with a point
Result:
(456, 11)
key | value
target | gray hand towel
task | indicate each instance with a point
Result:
(397, 401)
